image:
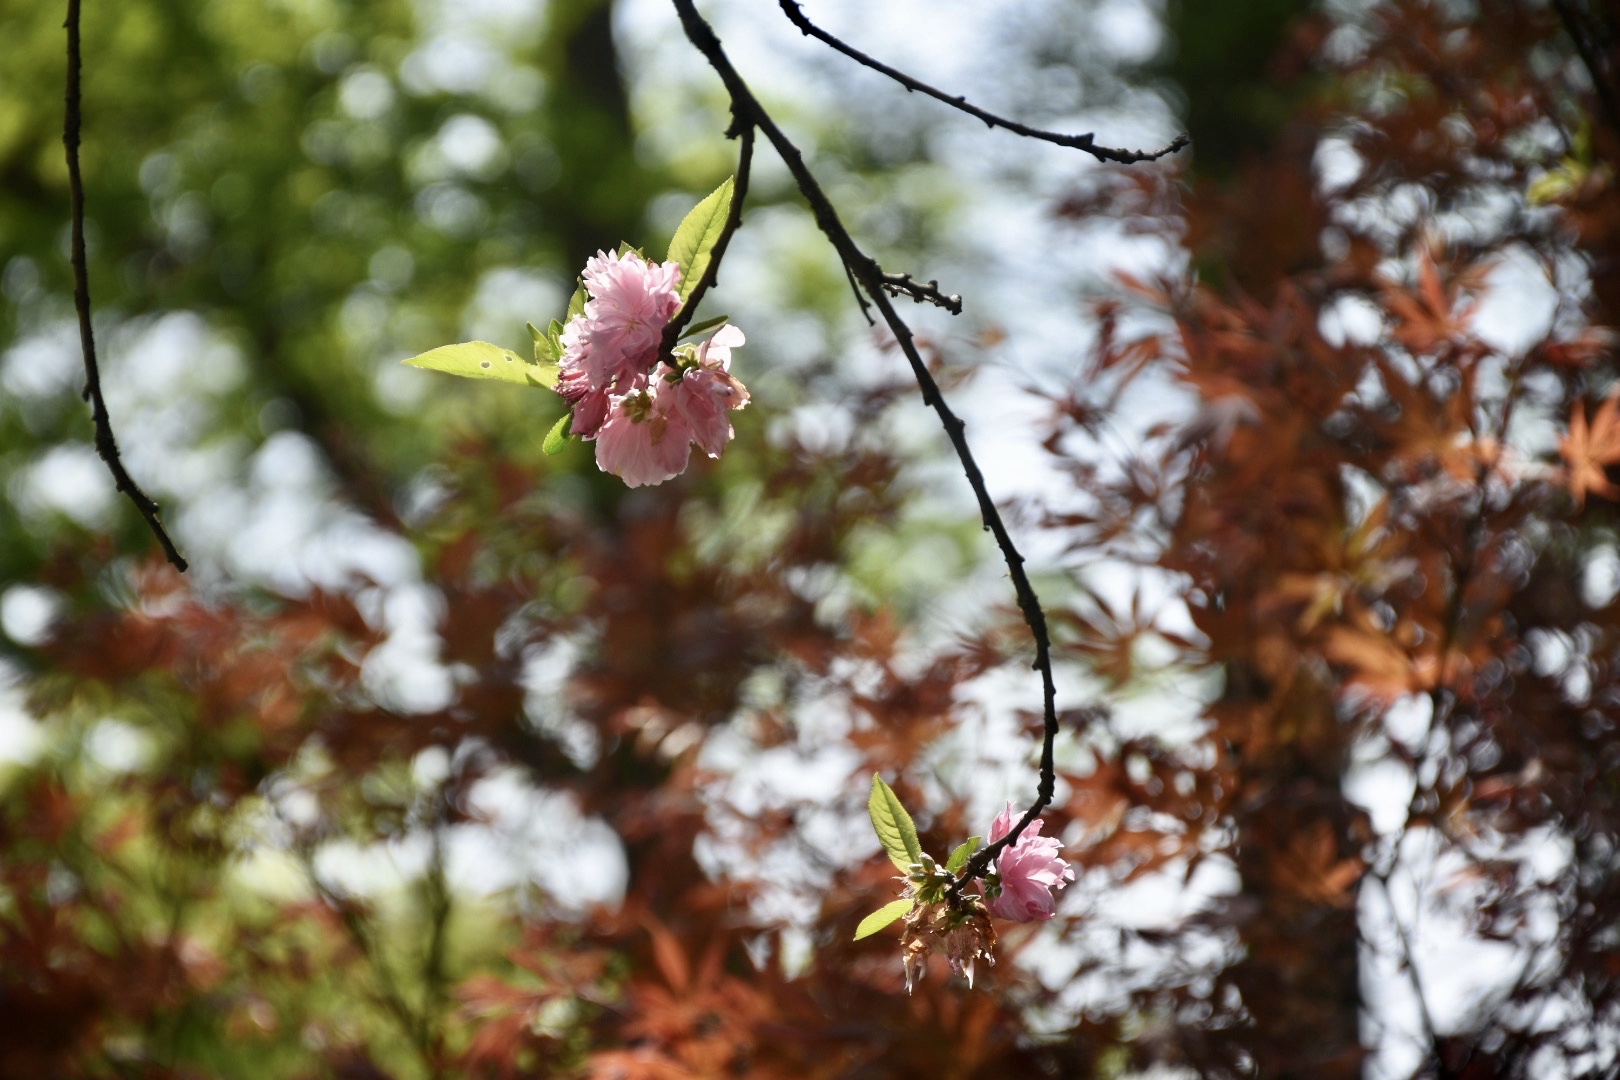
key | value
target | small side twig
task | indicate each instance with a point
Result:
(906, 285)
(1087, 142)
(106, 445)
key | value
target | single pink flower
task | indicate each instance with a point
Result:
(631, 301)
(639, 444)
(705, 393)
(1028, 870)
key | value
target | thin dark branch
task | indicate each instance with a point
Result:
(1594, 66)
(906, 285)
(1088, 142)
(860, 297)
(740, 128)
(106, 445)
(1408, 958)
(873, 281)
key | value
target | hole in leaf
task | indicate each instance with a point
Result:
(483, 363)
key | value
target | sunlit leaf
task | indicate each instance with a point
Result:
(882, 917)
(964, 851)
(895, 829)
(545, 349)
(704, 326)
(557, 437)
(479, 360)
(694, 240)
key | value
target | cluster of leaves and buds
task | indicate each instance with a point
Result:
(643, 406)
(939, 916)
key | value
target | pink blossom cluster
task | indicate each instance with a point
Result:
(644, 410)
(1027, 872)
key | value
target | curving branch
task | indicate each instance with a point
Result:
(106, 445)
(865, 271)
(1087, 142)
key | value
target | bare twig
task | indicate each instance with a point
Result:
(106, 445)
(905, 285)
(1088, 142)
(864, 270)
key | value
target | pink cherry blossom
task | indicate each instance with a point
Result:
(617, 337)
(639, 444)
(703, 396)
(644, 410)
(1029, 870)
(590, 406)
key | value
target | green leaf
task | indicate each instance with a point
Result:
(545, 375)
(545, 350)
(576, 303)
(698, 234)
(477, 360)
(707, 324)
(896, 831)
(557, 437)
(882, 917)
(963, 853)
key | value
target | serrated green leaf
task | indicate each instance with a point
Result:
(707, 324)
(557, 437)
(476, 360)
(882, 917)
(545, 350)
(964, 851)
(895, 829)
(694, 240)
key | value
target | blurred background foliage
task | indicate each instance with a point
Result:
(452, 759)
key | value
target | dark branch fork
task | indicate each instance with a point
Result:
(877, 286)
(1087, 142)
(106, 445)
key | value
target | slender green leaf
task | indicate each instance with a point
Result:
(545, 350)
(557, 437)
(695, 238)
(882, 917)
(706, 324)
(576, 303)
(896, 831)
(963, 853)
(477, 360)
